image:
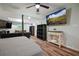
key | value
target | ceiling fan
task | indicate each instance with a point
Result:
(38, 5)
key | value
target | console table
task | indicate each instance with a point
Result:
(56, 37)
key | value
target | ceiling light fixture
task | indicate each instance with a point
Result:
(37, 6)
(29, 17)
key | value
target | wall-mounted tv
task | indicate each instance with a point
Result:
(5, 24)
(57, 18)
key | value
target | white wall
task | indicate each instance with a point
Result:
(71, 29)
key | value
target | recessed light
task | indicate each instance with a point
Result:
(29, 17)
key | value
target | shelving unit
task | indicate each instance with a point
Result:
(41, 31)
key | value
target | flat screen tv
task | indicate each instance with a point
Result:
(57, 18)
(5, 24)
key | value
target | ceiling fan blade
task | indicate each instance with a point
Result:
(30, 6)
(44, 6)
(37, 10)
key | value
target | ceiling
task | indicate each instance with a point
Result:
(17, 9)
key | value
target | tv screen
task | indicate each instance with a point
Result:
(5, 24)
(57, 18)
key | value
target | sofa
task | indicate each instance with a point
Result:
(4, 35)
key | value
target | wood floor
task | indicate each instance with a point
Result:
(53, 50)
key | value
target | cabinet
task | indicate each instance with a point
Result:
(42, 31)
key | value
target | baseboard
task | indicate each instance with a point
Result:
(72, 49)
(69, 48)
